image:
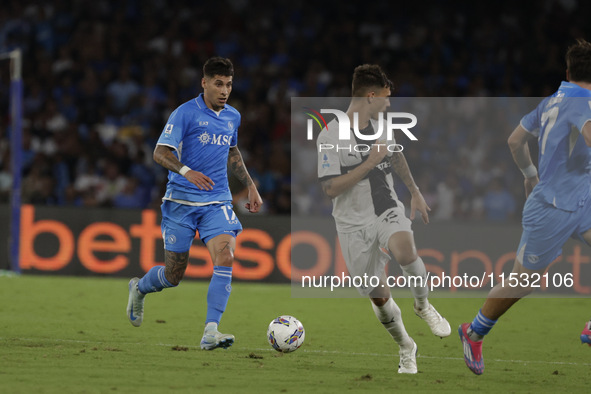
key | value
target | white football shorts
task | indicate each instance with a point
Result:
(366, 251)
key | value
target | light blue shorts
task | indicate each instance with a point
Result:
(180, 223)
(546, 229)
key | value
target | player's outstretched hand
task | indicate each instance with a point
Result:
(418, 203)
(529, 184)
(254, 200)
(202, 181)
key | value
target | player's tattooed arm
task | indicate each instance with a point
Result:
(417, 201)
(237, 166)
(239, 170)
(164, 156)
(176, 264)
(400, 167)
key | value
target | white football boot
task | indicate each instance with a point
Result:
(408, 359)
(438, 324)
(212, 339)
(135, 304)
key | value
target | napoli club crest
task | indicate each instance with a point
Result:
(230, 125)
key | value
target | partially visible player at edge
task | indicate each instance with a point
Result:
(370, 218)
(197, 145)
(558, 203)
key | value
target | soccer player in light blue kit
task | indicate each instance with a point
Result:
(559, 201)
(196, 146)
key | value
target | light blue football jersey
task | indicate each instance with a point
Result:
(564, 159)
(202, 139)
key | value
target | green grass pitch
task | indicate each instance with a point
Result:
(71, 335)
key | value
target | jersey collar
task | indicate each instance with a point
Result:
(202, 106)
(566, 84)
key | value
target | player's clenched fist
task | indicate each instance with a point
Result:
(377, 154)
(254, 200)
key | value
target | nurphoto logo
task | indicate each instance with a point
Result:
(387, 123)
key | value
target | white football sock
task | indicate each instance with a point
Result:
(420, 293)
(391, 318)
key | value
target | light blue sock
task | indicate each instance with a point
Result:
(482, 324)
(153, 281)
(218, 293)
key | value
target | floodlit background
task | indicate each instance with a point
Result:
(101, 78)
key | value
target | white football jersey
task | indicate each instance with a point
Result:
(361, 205)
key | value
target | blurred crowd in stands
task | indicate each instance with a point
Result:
(102, 76)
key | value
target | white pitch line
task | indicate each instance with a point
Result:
(303, 350)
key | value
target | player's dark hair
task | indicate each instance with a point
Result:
(218, 66)
(369, 76)
(578, 61)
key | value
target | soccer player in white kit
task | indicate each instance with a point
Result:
(368, 215)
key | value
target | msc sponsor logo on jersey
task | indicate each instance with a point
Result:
(214, 139)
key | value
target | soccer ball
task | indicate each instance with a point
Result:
(286, 334)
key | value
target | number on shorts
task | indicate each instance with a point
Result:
(226, 209)
(391, 217)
